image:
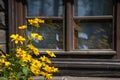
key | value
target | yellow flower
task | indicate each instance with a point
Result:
(26, 57)
(47, 75)
(20, 52)
(7, 63)
(45, 59)
(44, 64)
(34, 49)
(23, 55)
(2, 61)
(46, 68)
(2, 55)
(37, 36)
(34, 70)
(41, 21)
(17, 38)
(36, 63)
(35, 22)
(50, 69)
(53, 69)
(22, 27)
(50, 53)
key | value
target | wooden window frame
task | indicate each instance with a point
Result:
(70, 62)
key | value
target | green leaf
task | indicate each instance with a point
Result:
(19, 74)
(20, 62)
(25, 70)
(3, 78)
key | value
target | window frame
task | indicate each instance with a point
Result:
(70, 61)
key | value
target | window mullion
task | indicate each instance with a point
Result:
(68, 25)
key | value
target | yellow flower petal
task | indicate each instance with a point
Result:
(22, 27)
(50, 53)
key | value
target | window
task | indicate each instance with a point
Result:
(52, 30)
(74, 25)
(83, 33)
(93, 19)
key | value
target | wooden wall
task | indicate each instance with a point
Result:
(2, 26)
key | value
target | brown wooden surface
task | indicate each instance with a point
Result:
(69, 29)
(118, 30)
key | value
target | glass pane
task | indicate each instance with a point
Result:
(44, 7)
(93, 7)
(52, 32)
(91, 35)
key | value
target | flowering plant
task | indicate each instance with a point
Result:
(20, 63)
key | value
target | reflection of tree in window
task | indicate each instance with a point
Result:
(94, 35)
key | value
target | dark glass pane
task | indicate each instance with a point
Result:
(44, 7)
(93, 35)
(52, 32)
(93, 7)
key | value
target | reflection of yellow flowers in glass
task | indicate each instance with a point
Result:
(17, 38)
(34, 49)
(50, 53)
(22, 27)
(37, 36)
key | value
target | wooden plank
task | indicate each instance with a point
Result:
(94, 17)
(69, 29)
(76, 78)
(118, 31)
(88, 67)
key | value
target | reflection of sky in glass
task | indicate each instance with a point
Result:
(44, 7)
(93, 7)
(95, 35)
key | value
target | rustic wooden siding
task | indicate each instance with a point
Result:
(2, 26)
